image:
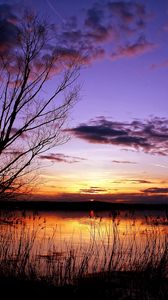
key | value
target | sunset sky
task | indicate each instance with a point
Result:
(119, 127)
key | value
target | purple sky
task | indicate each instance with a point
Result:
(119, 128)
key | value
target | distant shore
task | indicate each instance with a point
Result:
(79, 206)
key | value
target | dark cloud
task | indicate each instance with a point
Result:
(121, 25)
(94, 17)
(102, 34)
(149, 136)
(128, 12)
(99, 28)
(13, 152)
(8, 27)
(15, 130)
(118, 24)
(156, 190)
(59, 157)
(93, 190)
(86, 55)
(142, 198)
(65, 53)
(81, 43)
(141, 46)
(124, 162)
(9, 38)
(140, 181)
(112, 20)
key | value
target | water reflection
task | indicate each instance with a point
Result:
(94, 241)
(77, 225)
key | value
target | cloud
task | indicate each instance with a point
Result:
(163, 64)
(118, 24)
(8, 27)
(131, 198)
(102, 34)
(66, 53)
(99, 28)
(124, 162)
(156, 190)
(109, 21)
(93, 190)
(149, 136)
(160, 166)
(141, 46)
(15, 130)
(139, 181)
(165, 27)
(13, 152)
(59, 157)
(94, 17)
(128, 12)
(11, 24)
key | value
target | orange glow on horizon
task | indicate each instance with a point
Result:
(98, 186)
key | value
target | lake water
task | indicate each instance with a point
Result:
(119, 239)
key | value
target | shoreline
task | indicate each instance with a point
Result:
(78, 206)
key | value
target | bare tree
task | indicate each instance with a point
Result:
(37, 89)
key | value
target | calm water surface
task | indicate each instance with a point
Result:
(59, 232)
(79, 227)
(123, 234)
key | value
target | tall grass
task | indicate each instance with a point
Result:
(26, 251)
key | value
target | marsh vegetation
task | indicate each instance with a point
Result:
(117, 254)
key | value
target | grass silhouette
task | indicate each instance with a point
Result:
(116, 267)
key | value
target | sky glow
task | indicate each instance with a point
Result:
(119, 128)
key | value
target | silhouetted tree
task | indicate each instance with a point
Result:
(37, 90)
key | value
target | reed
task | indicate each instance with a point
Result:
(27, 252)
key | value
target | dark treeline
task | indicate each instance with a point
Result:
(79, 206)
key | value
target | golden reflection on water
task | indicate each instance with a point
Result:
(102, 239)
(81, 227)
